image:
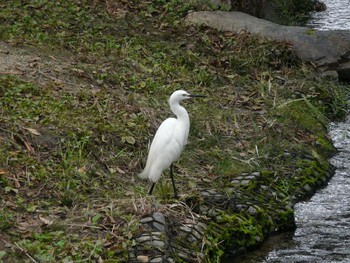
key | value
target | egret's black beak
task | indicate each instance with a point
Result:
(196, 96)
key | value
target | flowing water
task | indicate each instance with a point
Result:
(336, 16)
(323, 222)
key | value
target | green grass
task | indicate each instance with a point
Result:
(70, 155)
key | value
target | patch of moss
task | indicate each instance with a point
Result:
(324, 145)
(284, 220)
(235, 231)
(311, 172)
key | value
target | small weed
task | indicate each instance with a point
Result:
(6, 220)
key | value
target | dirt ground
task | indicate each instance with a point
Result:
(40, 68)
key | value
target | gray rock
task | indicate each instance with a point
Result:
(252, 210)
(196, 234)
(235, 182)
(245, 182)
(249, 177)
(159, 227)
(264, 187)
(307, 188)
(186, 229)
(256, 174)
(331, 74)
(143, 238)
(158, 244)
(328, 50)
(159, 217)
(185, 256)
(192, 239)
(146, 220)
(156, 260)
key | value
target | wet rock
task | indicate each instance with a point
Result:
(307, 188)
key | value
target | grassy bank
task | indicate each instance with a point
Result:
(74, 131)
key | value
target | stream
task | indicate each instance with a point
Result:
(323, 222)
(336, 16)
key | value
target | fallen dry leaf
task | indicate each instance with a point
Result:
(29, 148)
(120, 170)
(33, 131)
(17, 184)
(82, 170)
(46, 221)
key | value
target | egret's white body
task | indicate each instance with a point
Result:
(169, 141)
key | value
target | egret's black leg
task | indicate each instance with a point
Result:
(172, 180)
(151, 190)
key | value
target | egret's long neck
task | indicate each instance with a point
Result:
(180, 112)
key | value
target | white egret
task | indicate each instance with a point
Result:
(169, 141)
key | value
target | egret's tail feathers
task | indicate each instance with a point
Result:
(144, 174)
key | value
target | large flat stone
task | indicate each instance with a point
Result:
(329, 50)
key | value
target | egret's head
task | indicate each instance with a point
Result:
(181, 95)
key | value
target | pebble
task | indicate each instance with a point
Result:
(143, 259)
